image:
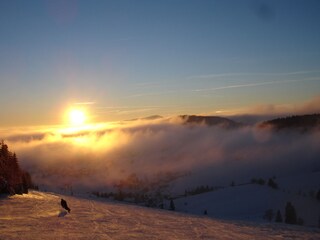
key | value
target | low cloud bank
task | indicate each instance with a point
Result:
(263, 112)
(99, 158)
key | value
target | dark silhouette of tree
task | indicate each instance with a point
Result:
(4, 149)
(268, 215)
(272, 183)
(172, 206)
(119, 196)
(259, 181)
(302, 123)
(290, 214)
(26, 182)
(279, 217)
(318, 195)
(12, 179)
(198, 190)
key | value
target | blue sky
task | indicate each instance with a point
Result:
(132, 59)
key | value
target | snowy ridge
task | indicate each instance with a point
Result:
(36, 216)
(249, 202)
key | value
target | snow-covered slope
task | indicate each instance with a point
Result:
(251, 201)
(248, 202)
(39, 216)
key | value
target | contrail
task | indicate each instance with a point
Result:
(233, 86)
(250, 74)
(254, 84)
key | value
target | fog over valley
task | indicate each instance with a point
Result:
(181, 152)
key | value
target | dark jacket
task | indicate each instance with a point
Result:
(65, 205)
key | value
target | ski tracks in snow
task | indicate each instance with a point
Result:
(35, 216)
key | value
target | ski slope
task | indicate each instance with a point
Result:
(39, 215)
(249, 202)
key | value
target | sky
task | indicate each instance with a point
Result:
(123, 59)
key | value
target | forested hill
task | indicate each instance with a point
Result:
(210, 121)
(302, 123)
(13, 180)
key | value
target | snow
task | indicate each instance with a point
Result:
(301, 182)
(38, 215)
(249, 202)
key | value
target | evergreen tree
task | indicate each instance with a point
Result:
(272, 183)
(290, 214)
(119, 196)
(12, 179)
(172, 206)
(279, 217)
(268, 215)
(26, 182)
(4, 149)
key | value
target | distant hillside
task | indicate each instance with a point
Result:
(210, 121)
(153, 117)
(302, 123)
(252, 202)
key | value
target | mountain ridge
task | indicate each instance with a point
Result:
(302, 123)
(211, 121)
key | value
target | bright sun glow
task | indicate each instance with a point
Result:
(77, 117)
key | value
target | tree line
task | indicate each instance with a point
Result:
(13, 180)
(304, 123)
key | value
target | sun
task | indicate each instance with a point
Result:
(77, 117)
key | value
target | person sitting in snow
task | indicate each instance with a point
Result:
(65, 205)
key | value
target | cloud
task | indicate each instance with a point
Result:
(235, 86)
(99, 158)
(129, 109)
(153, 94)
(255, 84)
(84, 103)
(241, 74)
